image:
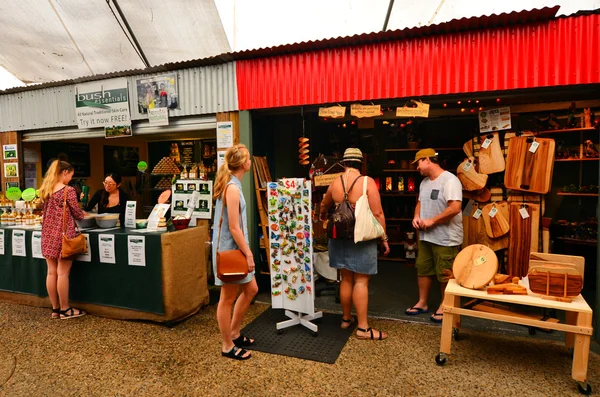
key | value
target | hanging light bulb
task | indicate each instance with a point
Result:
(445, 105)
(458, 102)
(462, 110)
(480, 108)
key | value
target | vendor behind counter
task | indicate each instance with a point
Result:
(111, 199)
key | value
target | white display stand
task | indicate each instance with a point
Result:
(291, 260)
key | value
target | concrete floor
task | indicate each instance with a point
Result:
(94, 356)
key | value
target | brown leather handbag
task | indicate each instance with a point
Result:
(231, 264)
(71, 246)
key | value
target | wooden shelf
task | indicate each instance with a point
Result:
(398, 219)
(549, 132)
(416, 150)
(398, 194)
(397, 170)
(576, 241)
(392, 259)
(578, 194)
(583, 159)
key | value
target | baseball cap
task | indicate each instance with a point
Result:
(423, 153)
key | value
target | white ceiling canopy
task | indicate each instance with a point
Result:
(53, 40)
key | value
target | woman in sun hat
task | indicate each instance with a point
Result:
(356, 261)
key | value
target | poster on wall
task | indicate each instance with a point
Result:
(10, 152)
(495, 119)
(117, 131)
(121, 159)
(102, 103)
(157, 92)
(76, 154)
(224, 134)
(291, 260)
(11, 170)
(183, 190)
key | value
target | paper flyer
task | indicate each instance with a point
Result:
(87, 257)
(36, 245)
(106, 248)
(130, 214)
(136, 249)
(18, 243)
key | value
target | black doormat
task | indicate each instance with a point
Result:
(298, 341)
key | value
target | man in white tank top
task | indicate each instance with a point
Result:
(439, 221)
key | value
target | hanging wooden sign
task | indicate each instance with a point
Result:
(326, 179)
(334, 112)
(360, 111)
(422, 110)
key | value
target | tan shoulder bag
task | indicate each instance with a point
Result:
(76, 245)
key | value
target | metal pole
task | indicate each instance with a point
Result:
(387, 16)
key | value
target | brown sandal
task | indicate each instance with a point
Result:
(347, 323)
(372, 337)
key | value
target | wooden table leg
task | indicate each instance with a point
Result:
(582, 349)
(448, 323)
(571, 319)
(456, 323)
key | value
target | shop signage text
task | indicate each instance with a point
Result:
(334, 112)
(422, 110)
(102, 103)
(358, 110)
(495, 119)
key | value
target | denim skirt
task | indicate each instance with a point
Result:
(358, 258)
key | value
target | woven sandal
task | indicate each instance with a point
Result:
(372, 337)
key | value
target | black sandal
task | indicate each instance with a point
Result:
(233, 353)
(347, 323)
(70, 313)
(57, 312)
(243, 340)
(372, 337)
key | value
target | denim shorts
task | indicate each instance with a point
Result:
(358, 258)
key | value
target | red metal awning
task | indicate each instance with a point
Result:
(492, 53)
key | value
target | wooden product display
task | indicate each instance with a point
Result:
(166, 165)
(475, 266)
(555, 280)
(482, 195)
(496, 226)
(520, 242)
(469, 177)
(491, 159)
(541, 259)
(474, 231)
(528, 171)
(468, 148)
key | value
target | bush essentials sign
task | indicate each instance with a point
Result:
(101, 104)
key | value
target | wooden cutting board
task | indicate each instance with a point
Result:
(483, 195)
(491, 159)
(470, 179)
(540, 258)
(496, 226)
(519, 197)
(468, 148)
(527, 171)
(475, 266)
(520, 239)
(474, 232)
(555, 280)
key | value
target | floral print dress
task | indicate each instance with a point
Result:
(52, 226)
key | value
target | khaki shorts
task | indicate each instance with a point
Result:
(432, 259)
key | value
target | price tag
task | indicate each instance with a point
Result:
(493, 212)
(486, 143)
(467, 166)
(479, 261)
(534, 146)
(524, 213)
(477, 213)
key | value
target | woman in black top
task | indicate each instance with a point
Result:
(111, 199)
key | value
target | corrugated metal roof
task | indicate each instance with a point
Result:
(456, 25)
(560, 52)
(202, 90)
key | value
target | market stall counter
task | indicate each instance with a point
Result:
(126, 274)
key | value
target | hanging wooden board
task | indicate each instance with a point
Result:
(470, 179)
(528, 171)
(491, 159)
(474, 231)
(475, 266)
(496, 226)
(483, 195)
(520, 240)
(468, 148)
